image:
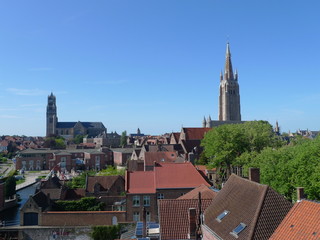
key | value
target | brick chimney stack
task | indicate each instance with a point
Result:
(254, 174)
(192, 223)
(300, 194)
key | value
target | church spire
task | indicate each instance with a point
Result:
(228, 67)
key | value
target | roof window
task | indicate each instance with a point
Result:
(235, 232)
(222, 215)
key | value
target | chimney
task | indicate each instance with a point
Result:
(254, 174)
(300, 194)
(192, 223)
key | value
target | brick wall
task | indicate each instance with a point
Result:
(152, 209)
(84, 218)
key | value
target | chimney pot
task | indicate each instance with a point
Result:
(254, 174)
(300, 194)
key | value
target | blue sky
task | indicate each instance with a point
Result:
(156, 64)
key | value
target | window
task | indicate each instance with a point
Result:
(136, 216)
(222, 215)
(148, 217)
(136, 201)
(160, 196)
(63, 162)
(235, 232)
(146, 200)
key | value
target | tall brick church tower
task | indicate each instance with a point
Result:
(52, 118)
(229, 99)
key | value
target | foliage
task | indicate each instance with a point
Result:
(84, 204)
(111, 171)
(123, 139)
(78, 139)
(292, 166)
(106, 232)
(234, 144)
(54, 143)
(10, 187)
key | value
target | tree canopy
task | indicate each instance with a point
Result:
(123, 139)
(10, 187)
(234, 144)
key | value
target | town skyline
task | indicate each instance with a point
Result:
(156, 65)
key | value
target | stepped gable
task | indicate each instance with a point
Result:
(257, 206)
(174, 216)
(206, 193)
(302, 222)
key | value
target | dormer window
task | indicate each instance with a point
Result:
(222, 215)
(235, 232)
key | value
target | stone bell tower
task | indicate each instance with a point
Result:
(52, 118)
(229, 98)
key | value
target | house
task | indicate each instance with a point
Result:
(30, 213)
(121, 155)
(244, 209)
(166, 181)
(302, 222)
(179, 218)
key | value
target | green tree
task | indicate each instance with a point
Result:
(123, 139)
(78, 139)
(54, 143)
(235, 144)
(106, 232)
(10, 187)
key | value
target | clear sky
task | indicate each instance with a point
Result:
(156, 64)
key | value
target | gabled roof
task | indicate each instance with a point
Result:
(41, 200)
(195, 133)
(257, 206)
(178, 175)
(174, 216)
(206, 193)
(151, 157)
(165, 175)
(106, 182)
(302, 222)
(85, 124)
(140, 182)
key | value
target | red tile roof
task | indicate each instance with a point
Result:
(174, 216)
(195, 133)
(165, 175)
(178, 175)
(302, 222)
(141, 182)
(106, 182)
(206, 193)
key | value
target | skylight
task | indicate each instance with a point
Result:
(222, 215)
(235, 232)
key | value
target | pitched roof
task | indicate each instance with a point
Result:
(140, 182)
(106, 182)
(302, 222)
(151, 157)
(195, 133)
(178, 175)
(174, 216)
(206, 193)
(165, 175)
(85, 124)
(41, 200)
(258, 206)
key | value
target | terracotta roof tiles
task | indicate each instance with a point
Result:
(302, 222)
(206, 193)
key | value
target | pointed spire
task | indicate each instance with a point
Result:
(204, 122)
(228, 67)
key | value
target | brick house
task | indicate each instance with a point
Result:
(166, 181)
(121, 155)
(244, 209)
(44, 159)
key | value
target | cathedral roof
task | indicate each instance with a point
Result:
(85, 124)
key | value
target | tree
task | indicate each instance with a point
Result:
(234, 144)
(54, 143)
(106, 232)
(123, 139)
(10, 187)
(78, 139)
